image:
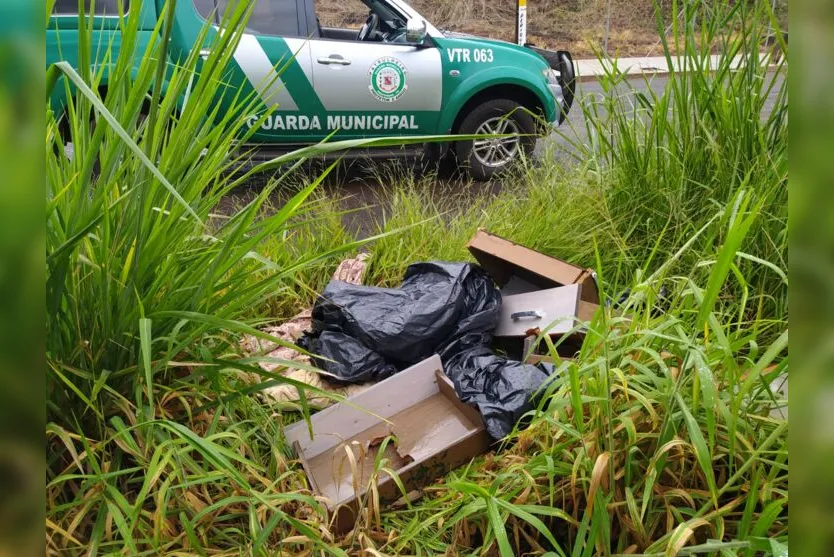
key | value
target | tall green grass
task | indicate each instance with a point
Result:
(651, 166)
(716, 128)
(657, 440)
(144, 286)
(659, 436)
(660, 439)
(149, 287)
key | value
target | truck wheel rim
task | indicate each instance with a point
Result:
(495, 152)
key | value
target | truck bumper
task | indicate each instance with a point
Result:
(562, 62)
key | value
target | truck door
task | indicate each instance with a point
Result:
(272, 62)
(374, 85)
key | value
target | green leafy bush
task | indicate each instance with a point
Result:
(147, 286)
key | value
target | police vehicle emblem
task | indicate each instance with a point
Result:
(387, 79)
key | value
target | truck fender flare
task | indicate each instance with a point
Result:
(497, 77)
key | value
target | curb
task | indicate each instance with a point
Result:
(629, 73)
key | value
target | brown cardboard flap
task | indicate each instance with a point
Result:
(416, 415)
(586, 311)
(504, 259)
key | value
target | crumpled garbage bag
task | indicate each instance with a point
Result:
(363, 333)
(503, 390)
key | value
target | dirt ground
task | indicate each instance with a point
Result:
(574, 25)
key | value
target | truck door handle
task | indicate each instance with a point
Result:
(334, 61)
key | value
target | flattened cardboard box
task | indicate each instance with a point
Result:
(518, 269)
(416, 415)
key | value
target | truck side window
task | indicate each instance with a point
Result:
(102, 7)
(269, 17)
(342, 20)
(346, 14)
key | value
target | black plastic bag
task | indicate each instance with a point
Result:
(503, 390)
(363, 333)
(438, 304)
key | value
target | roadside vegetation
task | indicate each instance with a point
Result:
(578, 26)
(659, 440)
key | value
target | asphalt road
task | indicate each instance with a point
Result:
(359, 185)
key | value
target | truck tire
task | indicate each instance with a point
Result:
(437, 159)
(485, 158)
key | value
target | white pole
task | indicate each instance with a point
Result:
(607, 26)
(521, 25)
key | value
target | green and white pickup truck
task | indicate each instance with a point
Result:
(396, 76)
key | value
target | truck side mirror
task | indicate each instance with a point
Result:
(415, 31)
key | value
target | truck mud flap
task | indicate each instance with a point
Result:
(562, 62)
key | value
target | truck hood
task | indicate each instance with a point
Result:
(457, 35)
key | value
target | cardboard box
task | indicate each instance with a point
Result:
(518, 270)
(531, 281)
(430, 432)
(542, 359)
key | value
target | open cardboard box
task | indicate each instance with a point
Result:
(428, 430)
(538, 291)
(519, 270)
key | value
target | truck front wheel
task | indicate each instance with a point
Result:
(484, 158)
